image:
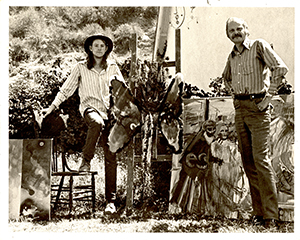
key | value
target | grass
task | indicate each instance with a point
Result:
(144, 222)
(142, 218)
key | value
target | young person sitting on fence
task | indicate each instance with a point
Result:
(92, 79)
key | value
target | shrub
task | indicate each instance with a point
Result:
(21, 23)
(24, 96)
(218, 87)
(122, 36)
(35, 89)
(17, 53)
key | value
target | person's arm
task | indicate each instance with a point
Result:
(278, 71)
(66, 90)
(114, 72)
(47, 111)
(226, 75)
(274, 63)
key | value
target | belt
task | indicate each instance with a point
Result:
(249, 96)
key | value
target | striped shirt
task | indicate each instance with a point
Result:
(93, 87)
(249, 72)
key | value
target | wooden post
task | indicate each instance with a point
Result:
(130, 161)
(177, 50)
(129, 194)
(176, 166)
(133, 49)
(206, 115)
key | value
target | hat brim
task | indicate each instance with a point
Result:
(88, 42)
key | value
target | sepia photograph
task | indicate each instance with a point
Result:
(148, 119)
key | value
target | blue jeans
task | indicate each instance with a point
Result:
(253, 128)
(96, 127)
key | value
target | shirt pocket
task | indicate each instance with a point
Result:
(248, 69)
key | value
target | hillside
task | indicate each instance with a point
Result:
(38, 34)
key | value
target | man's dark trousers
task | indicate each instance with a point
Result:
(253, 128)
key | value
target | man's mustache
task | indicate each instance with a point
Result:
(237, 35)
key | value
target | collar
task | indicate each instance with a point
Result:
(110, 62)
(247, 44)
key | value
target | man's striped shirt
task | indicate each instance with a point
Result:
(249, 72)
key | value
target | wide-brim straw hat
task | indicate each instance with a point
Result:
(88, 42)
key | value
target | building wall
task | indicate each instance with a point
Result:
(205, 46)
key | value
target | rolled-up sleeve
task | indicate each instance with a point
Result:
(273, 61)
(226, 75)
(114, 72)
(68, 88)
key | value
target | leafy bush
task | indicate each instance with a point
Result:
(36, 88)
(122, 36)
(93, 28)
(17, 52)
(22, 97)
(21, 23)
(218, 87)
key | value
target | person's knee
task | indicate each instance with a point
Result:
(96, 120)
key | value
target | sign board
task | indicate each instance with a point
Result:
(15, 177)
(30, 187)
(222, 189)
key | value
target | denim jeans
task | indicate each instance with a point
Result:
(96, 128)
(253, 128)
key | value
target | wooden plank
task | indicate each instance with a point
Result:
(129, 194)
(130, 161)
(178, 50)
(133, 48)
(169, 64)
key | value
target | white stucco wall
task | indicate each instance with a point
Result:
(205, 46)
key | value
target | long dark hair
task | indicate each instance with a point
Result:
(91, 61)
